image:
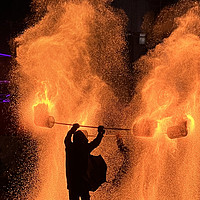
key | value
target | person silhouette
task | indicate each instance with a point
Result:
(77, 154)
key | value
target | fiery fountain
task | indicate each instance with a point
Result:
(169, 95)
(71, 61)
(64, 61)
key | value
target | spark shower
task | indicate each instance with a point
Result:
(72, 60)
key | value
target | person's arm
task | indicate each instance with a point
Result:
(70, 133)
(95, 143)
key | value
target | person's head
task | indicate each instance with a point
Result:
(79, 138)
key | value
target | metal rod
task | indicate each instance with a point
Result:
(110, 135)
(120, 129)
(104, 135)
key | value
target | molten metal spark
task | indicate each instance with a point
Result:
(61, 61)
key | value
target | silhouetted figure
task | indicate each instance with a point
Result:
(77, 154)
(126, 161)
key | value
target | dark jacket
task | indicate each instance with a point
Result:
(77, 153)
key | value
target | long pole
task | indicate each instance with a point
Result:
(120, 129)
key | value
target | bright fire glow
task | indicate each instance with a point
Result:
(42, 97)
(63, 60)
(169, 168)
(61, 66)
(192, 123)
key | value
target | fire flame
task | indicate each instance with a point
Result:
(169, 116)
(62, 64)
(59, 65)
(42, 97)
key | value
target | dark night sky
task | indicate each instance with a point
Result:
(12, 21)
(14, 9)
(14, 12)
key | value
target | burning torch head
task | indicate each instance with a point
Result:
(41, 116)
(178, 131)
(144, 127)
(50, 122)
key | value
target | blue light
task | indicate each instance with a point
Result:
(4, 55)
(4, 98)
(4, 82)
(6, 101)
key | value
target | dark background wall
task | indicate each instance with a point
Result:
(136, 10)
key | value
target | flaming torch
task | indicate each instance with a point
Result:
(42, 119)
(145, 128)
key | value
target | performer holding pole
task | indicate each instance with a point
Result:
(77, 157)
